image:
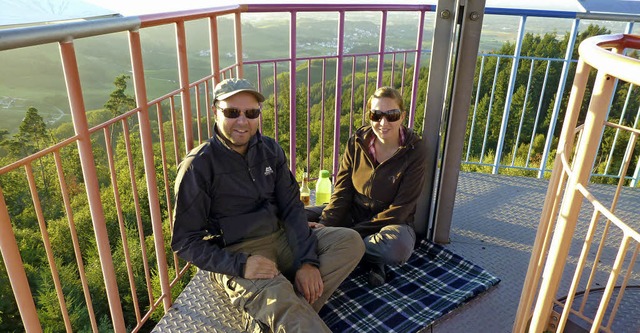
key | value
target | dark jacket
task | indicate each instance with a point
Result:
(368, 195)
(223, 198)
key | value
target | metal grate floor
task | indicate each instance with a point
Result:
(494, 225)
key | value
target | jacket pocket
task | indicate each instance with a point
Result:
(246, 226)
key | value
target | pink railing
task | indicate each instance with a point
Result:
(127, 163)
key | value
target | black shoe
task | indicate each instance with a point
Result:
(377, 275)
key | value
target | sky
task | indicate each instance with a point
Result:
(29, 11)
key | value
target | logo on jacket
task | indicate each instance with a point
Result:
(395, 177)
(268, 171)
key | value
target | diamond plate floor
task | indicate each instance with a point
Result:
(494, 225)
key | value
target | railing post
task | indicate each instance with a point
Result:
(416, 71)
(185, 95)
(15, 271)
(558, 99)
(507, 102)
(81, 127)
(149, 166)
(292, 93)
(214, 50)
(338, 109)
(381, 46)
(237, 30)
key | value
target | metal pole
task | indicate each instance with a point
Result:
(183, 74)
(338, 94)
(416, 71)
(81, 126)
(292, 93)
(15, 271)
(381, 46)
(149, 166)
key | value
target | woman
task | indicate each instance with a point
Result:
(379, 180)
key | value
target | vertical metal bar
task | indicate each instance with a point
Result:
(524, 111)
(338, 94)
(207, 106)
(76, 243)
(572, 200)
(259, 87)
(439, 66)
(543, 89)
(15, 270)
(491, 99)
(475, 108)
(636, 173)
(416, 71)
(165, 177)
(558, 97)
(553, 191)
(364, 93)
(214, 49)
(623, 287)
(404, 70)
(472, 17)
(275, 100)
(381, 47)
(352, 94)
(507, 102)
(393, 70)
(136, 203)
(149, 165)
(123, 230)
(174, 128)
(196, 91)
(308, 163)
(323, 85)
(183, 74)
(81, 127)
(292, 93)
(237, 30)
(611, 283)
(615, 137)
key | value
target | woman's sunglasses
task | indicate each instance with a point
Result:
(235, 113)
(390, 115)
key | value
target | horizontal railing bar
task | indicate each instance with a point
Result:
(152, 20)
(21, 162)
(52, 33)
(270, 8)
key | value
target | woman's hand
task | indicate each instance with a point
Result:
(315, 225)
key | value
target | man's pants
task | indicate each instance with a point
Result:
(275, 302)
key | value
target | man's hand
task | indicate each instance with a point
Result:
(315, 225)
(309, 282)
(259, 267)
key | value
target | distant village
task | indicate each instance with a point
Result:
(9, 102)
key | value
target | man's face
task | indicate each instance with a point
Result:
(237, 131)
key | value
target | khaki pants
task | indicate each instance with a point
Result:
(275, 302)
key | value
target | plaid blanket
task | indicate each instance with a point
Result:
(432, 283)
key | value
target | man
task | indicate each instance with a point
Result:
(238, 216)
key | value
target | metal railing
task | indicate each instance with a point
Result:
(123, 168)
(611, 258)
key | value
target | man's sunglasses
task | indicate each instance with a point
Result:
(235, 113)
(390, 115)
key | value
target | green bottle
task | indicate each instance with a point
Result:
(323, 188)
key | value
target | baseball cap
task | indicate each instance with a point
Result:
(229, 87)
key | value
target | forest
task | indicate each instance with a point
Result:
(129, 226)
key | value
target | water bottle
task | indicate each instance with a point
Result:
(305, 192)
(323, 188)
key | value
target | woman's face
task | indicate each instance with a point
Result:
(384, 129)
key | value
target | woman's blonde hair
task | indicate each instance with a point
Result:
(386, 92)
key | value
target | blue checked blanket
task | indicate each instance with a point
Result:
(433, 282)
